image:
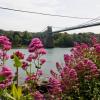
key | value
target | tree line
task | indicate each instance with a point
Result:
(22, 39)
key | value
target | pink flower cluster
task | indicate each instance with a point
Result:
(19, 54)
(97, 48)
(35, 44)
(39, 72)
(87, 68)
(6, 75)
(31, 57)
(79, 50)
(68, 59)
(24, 65)
(30, 78)
(68, 78)
(38, 96)
(3, 55)
(54, 86)
(5, 43)
(34, 76)
(36, 49)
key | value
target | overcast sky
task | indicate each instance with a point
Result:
(10, 20)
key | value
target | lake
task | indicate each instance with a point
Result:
(53, 55)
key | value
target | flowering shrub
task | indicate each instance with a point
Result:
(77, 79)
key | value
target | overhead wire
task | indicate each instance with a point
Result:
(48, 14)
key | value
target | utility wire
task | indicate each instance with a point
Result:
(48, 14)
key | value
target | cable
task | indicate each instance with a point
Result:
(57, 27)
(90, 21)
(48, 14)
(78, 27)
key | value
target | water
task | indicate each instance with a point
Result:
(53, 55)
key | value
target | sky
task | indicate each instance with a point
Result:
(10, 20)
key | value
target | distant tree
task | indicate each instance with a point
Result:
(16, 39)
(25, 38)
(65, 40)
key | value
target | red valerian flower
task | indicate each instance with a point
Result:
(31, 77)
(38, 96)
(5, 43)
(35, 44)
(24, 65)
(7, 76)
(42, 61)
(55, 86)
(19, 54)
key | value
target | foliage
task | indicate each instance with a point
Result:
(22, 39)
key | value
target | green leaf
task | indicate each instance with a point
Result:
(2, 78)
(16, 92)
(19, 92)
(9, 96)
(17, 61)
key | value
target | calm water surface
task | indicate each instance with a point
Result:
(53, 55)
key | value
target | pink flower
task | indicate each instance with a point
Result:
(6, 47)
(36, 47)
(86, 66)
(42, 51)
(69, 74)
(73, 74)
(84, 46)
(31, 77)
(94, 40)
(6, 44)
(39, 72)
(67, 58)
(24, 65)
(7, 75)
(38, 96)
(2, 86)
(6, 57)
(29, 58)
(3, 55)
(97, 48)
(35, 56)
(42, 61)
(35, 44)
(55, 86)
(19, 54)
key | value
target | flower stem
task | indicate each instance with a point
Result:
(30, 68)
(3, 58)
(17, 76)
